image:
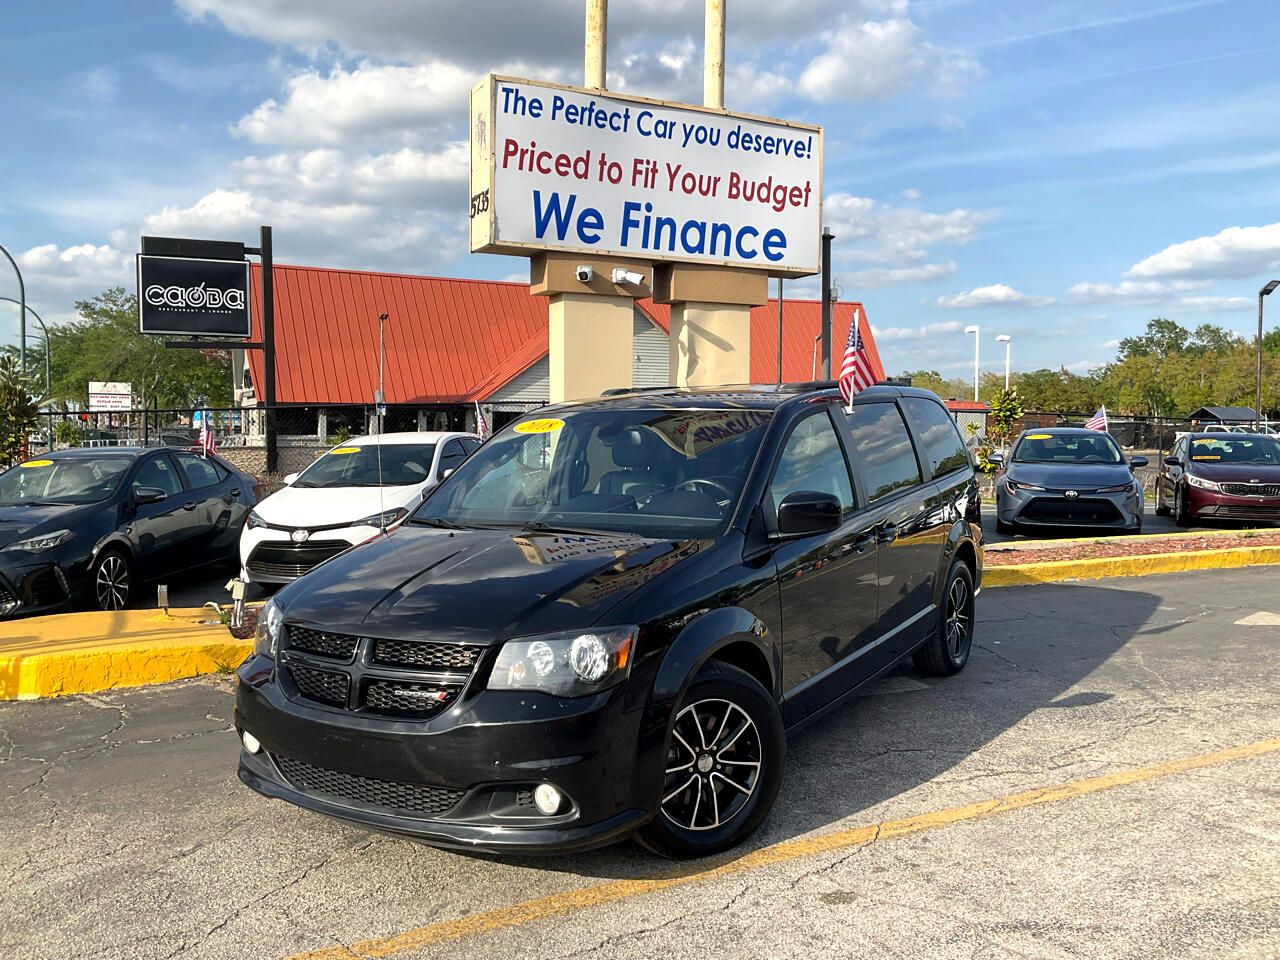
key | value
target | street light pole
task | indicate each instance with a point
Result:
(22, 317)
(1005, 339)
(977, 341)
(45, 330)
(1264, 292)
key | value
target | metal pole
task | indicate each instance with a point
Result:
(31, 310)
(597, 44)
(713, 56)
(268, 351)
(827, 236)
(22, 314)
(977, 344)
(1257, 410)
(1007, 346)
(779, 331)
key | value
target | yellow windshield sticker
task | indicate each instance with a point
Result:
(37, 463)
(341, 450)
(1206, 456)
(546, 425)
(1039, 436)
(1203, 441)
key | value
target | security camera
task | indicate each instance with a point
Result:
(629, 277)
(584, 273)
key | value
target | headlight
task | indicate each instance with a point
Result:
(46, 541)
(1014, 486)
(1130, 487)
(1201, 482)
(570, 664)
(266, 640)
(388, 519)
(255, 521)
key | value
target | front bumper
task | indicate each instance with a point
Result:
(1214, 505)
(1053, 508)
(39, 584)
(271, 555)
(462, 779)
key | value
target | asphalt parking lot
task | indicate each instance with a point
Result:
(124, 832)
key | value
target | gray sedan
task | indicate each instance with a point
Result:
(1068, 477)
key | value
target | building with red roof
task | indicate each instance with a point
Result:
(452, 343)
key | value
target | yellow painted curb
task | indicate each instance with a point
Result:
(1099, 568)
(86, 652)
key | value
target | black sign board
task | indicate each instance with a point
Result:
(198, 297)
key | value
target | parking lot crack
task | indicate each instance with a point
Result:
(1013, 663)
(838, 861)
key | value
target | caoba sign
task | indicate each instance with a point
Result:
(182, 295)
(560, 168)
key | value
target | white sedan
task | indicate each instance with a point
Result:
(345, 497)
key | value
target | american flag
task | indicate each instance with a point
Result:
(855, 369)
(1098, 421)
(482, 426)
(205, 441)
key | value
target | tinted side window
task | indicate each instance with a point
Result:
(812, 460)
(943, 448)
(199, 472)
(158, 472)
(452, 456)
(882, 449)
(469, 445)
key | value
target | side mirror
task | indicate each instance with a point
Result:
(996, 457)
(1138, 461)
(290, 479)
(143, 495)
(1172, 462)
(805, 512)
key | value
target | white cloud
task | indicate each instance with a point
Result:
(48, 266)
(1210, 304)
(1234, 252)
(994, 295)
(892, 276)
(875, 59)
(881, 233)
(408, 178)
(100, 85)
(1131, 291)
(916, 333)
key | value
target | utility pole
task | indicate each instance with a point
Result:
(268, 350)
(827, 237)
(1264, 292)
(779, 331)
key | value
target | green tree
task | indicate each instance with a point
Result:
(932, 380)
(19, 410)
(103, 343)
(1162, 337)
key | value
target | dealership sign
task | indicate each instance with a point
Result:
(186, 295)
(559, 168)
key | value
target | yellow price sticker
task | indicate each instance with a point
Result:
(1203, 441)
(547, 425)
(1039, 436)
(1206, 456)
(338, 451)
(36, 463)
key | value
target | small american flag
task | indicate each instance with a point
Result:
(205, 441)
(1098, 421)
(482, 426)
(855, 369)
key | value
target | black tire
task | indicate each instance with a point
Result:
(730, 708)
(947, 651)
(1181, 517)
(1161, 509)
(111, 580)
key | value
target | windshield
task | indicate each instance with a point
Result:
(62, 481)
(668, 474)
(403, 465)
(1067, 448)
(1236, 450)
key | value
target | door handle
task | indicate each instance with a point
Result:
(189, 505)
(235, 491)
(887, 534)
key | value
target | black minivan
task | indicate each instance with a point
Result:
(606, 620)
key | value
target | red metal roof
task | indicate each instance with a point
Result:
(451, 340)
(968, 406)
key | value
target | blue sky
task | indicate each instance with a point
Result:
(1060, 171)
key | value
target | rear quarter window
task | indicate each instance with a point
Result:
(882, 450)
(943, 448)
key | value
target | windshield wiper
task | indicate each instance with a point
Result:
(541, 526)
(436, 522)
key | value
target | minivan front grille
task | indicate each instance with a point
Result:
(404, 679)
(390, 795)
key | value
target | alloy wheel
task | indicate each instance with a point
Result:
(112, 582)
(958, 615)
(713, 765)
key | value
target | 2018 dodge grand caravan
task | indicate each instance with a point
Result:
(605, 621)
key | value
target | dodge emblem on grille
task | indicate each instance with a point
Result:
(415, 694)
(300, 536)
(1071, 494)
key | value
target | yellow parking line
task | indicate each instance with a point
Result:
(573, 900)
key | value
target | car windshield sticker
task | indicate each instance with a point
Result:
(1204, 441)
(547, 425)
(1205, 456)
(36, 463)
(1039, 436)
(338, 451)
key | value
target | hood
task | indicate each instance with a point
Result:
(1235, 472)
(477, 586)
(1070, 476)
(20, 522)
(332, 506)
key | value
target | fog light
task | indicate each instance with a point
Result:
(546, 798)
(250, 742)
